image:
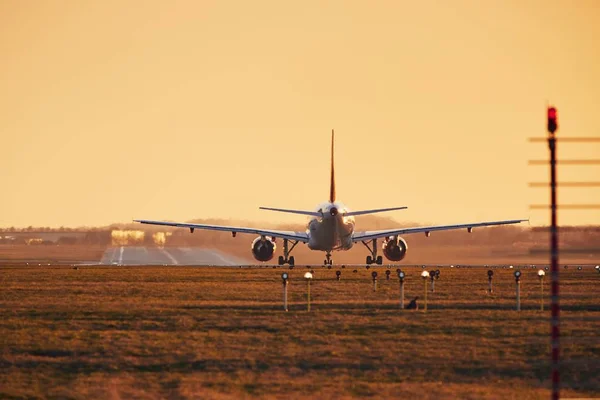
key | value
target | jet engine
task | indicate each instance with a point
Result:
(394, 248)
(263, 248)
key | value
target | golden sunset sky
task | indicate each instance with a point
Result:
(113, 110)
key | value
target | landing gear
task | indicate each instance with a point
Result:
(327, 260)
(285, 258)
(373, 258)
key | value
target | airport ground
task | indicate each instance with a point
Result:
(191, 332)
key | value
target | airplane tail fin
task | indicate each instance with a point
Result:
(332, 182)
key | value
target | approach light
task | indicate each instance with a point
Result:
(398, 270)
(510, 267)
(401, 274)
(579, 268)
(517, 275)
(437, 273)
(597, 268)
(541, 273)
(284, 276)
(546, 268)
(387, 274)
(422, 267)
(452, 266)
(424, 274)
(374, 275)
(308, 275)
(490, 273)
(338, 273)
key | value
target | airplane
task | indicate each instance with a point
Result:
(330, 228)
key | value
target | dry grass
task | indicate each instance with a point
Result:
(51, 253)
(150, 332)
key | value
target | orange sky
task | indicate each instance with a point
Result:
(113, 110)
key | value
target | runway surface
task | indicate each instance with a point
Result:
(126, 255)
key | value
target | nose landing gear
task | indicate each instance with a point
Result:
(327, 260)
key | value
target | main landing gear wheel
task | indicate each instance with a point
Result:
(285, 258)
(373, 258)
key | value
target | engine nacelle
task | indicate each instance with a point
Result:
(394, 248)
(263, 248)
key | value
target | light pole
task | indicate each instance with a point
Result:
(374, 275)
(401, 276)
(490, 275)
(425, 275)
(541, 274)
(284, 278)
(517, 280)
(308, 276)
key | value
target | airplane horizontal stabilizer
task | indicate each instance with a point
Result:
(311, 213)
(377, 210)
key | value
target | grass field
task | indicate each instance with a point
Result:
(170, 332)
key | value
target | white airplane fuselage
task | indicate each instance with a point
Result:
(331, 231)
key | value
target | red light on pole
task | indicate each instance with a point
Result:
(552, 124)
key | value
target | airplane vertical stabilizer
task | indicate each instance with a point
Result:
(332, 183)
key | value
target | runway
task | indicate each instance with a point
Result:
(126, 255)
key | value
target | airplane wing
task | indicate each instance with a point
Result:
(291, 235)
(368, 235)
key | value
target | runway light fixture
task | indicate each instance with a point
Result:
(387, 274)
(401, 275)
(308, 276)
(337, 274)
(374, 275)
(425, 275)
(490, 274)
(284, 278)
(597, 268)
(541, 275)
(517, 275)
(518, 284)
